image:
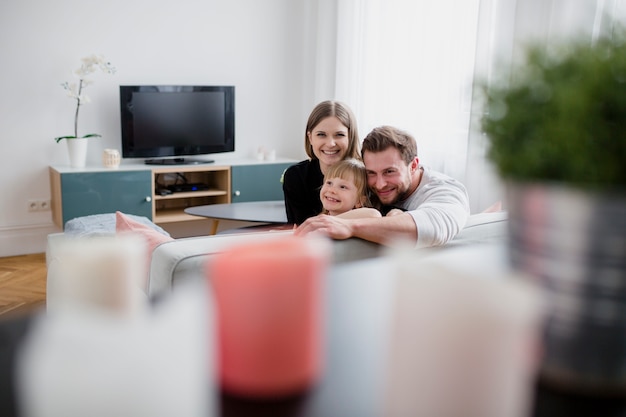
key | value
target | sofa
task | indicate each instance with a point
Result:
(186, 258)
(179, 260)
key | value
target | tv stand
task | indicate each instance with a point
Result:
(177, 161)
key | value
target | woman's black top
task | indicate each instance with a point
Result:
(301, 185)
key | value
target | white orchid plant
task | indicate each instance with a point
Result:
(90, 64)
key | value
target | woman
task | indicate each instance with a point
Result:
(331, 135)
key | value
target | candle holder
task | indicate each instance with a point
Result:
(111, 158)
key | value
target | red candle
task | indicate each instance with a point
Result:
(269, 313)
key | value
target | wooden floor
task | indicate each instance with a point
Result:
(22, 284)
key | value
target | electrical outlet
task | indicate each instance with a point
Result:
(38, 205)
(44, 205)
(33, 205)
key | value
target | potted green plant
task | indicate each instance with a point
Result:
(77, 145)
(557, 135)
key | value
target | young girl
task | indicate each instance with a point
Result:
(344, 190)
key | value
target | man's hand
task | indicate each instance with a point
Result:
(331, 226)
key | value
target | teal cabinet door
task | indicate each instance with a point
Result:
(89, 193)
(260, 182)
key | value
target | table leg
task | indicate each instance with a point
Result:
(214, 228)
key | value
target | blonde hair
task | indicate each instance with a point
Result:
(355, 168)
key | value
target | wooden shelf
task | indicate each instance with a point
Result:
(191, 194)
(174, 216)
(170, 208)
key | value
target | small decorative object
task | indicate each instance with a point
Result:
(111, 158)
(487, 323)
(557, 134)
(260, 153)
(269, 309)
(100, 274)
(101, 347)
(78, 148)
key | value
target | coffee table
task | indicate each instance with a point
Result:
(272, 212)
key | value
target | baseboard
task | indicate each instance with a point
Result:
(24, 240)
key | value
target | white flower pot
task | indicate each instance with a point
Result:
(77, 151)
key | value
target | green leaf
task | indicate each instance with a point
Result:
(91, 135)
(60, 138)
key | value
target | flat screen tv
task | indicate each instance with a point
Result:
(168, 123)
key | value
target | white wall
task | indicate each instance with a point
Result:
(265, 48)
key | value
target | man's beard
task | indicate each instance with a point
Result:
(402, 195)
(377, 203)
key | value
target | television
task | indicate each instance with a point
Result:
(169, 123)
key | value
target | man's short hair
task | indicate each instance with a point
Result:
(383, 137)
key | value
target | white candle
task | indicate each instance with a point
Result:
(464, 341)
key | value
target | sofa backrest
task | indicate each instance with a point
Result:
(187, 258)
(483, 228)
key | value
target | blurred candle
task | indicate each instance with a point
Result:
(465, 340)
(100, 274)
(269, 315)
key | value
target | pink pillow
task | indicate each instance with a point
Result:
(153, 238)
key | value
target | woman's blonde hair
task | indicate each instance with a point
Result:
(354, 167)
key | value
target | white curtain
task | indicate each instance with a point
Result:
(413, 64)
(410, 64)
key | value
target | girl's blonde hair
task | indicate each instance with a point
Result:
(351, 166)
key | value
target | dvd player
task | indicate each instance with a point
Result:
(182, 188)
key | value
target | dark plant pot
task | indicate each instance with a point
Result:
(573, 243)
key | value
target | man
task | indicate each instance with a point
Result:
(422, 206)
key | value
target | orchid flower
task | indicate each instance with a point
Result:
(90, 64)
